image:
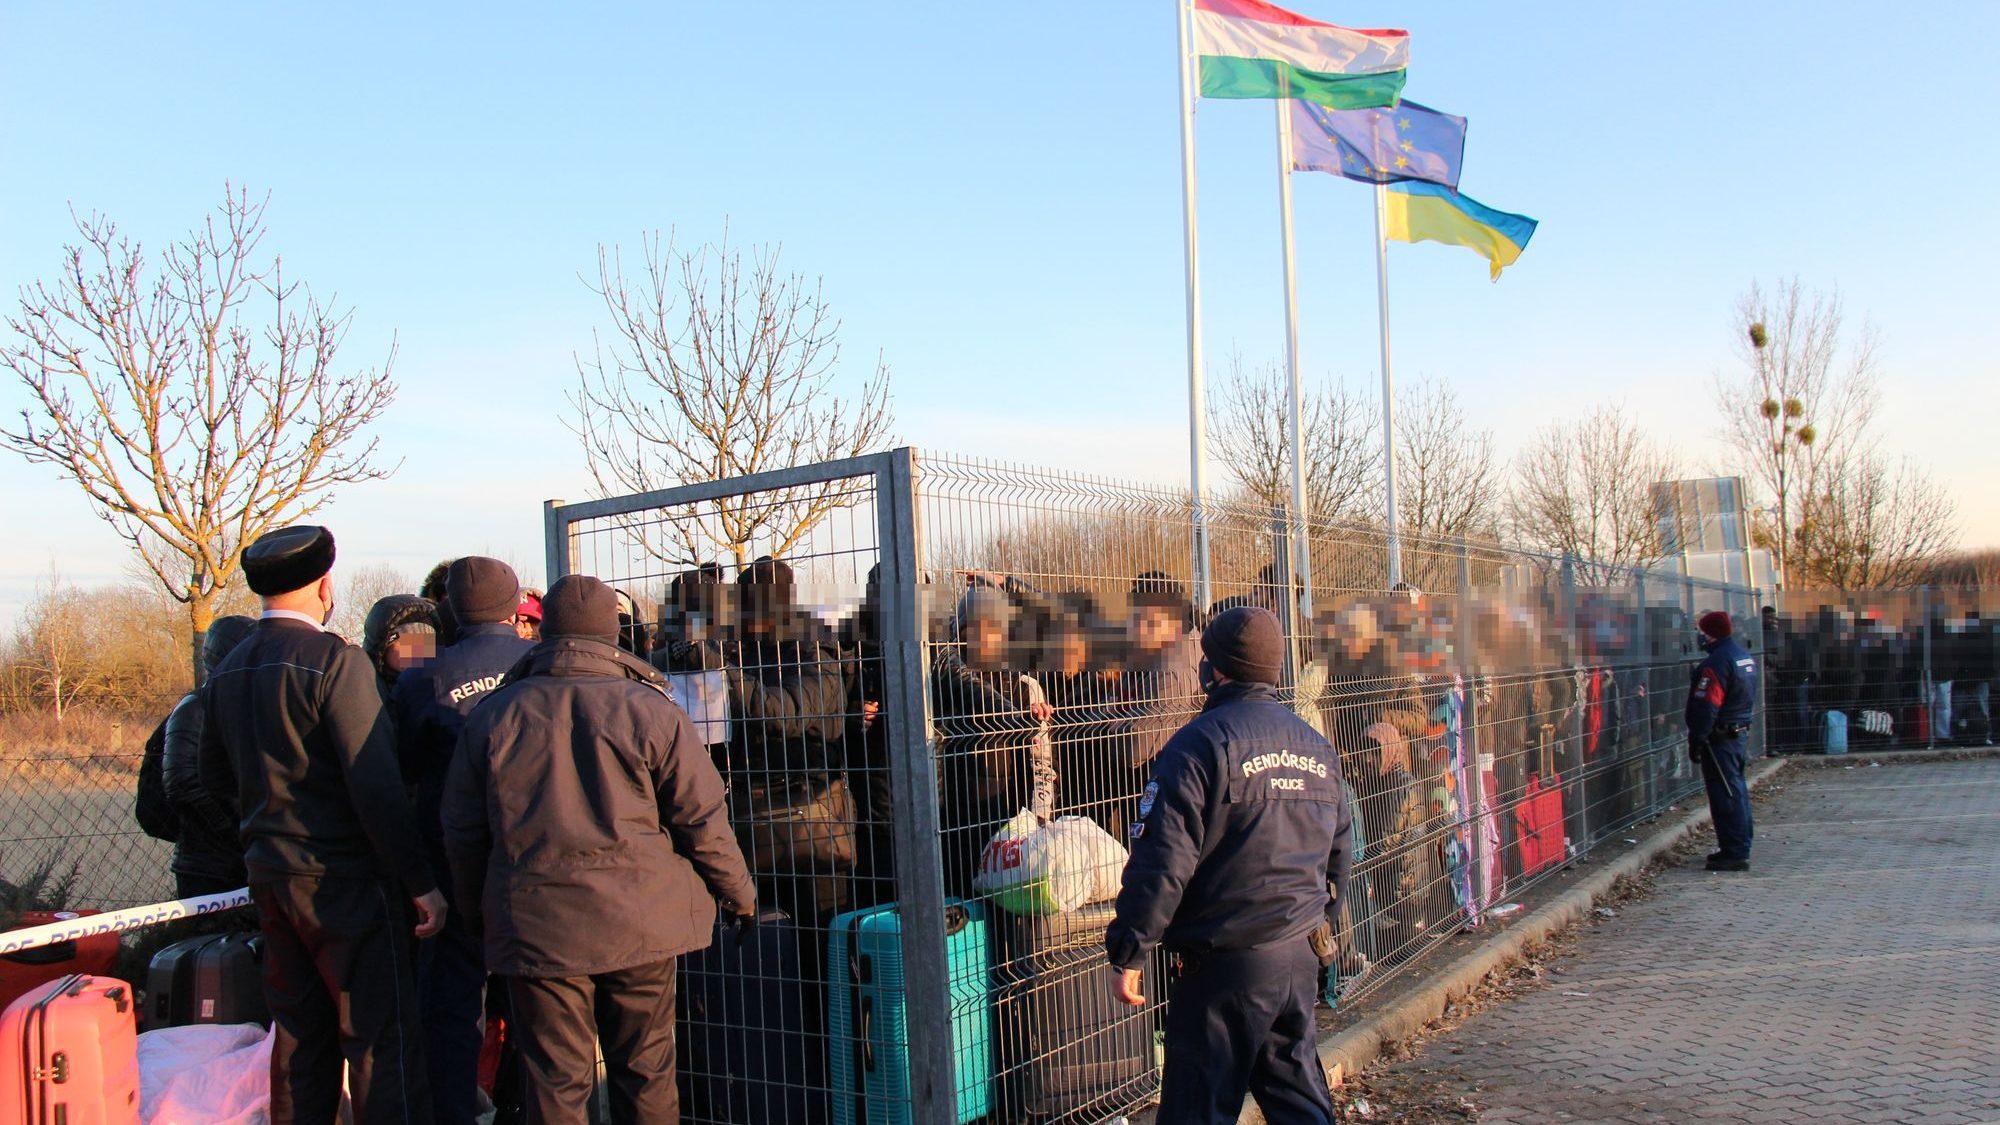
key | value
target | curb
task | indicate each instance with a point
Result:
(1350, 1050)
(1892, 757)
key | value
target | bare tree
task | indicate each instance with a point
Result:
(361, 588)
(54, 646)
(1973, 569)
(1801, 402)
(1447, 485)
(1251, 422)
(716, 367)
(195, 400)
(1870, 524)
(1585, 488)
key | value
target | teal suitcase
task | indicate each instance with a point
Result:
(868, 1021)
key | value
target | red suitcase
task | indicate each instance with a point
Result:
(1539, 824)
(69, 1053)
(23, 972)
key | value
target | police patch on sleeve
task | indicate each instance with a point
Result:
(1138, 829)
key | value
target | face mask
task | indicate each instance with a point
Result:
(1206, 673)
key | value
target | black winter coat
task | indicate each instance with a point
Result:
(294, 729)
(584, 820)
(209, 846)
(150, 806)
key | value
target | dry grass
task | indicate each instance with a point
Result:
(88, 749)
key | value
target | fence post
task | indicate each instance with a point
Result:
(1929, 685)
(1287, 593)
(1763, 723)
(1580, 685)
(913, 781)
(556, 559)
(1642, 651)
(1474, 804)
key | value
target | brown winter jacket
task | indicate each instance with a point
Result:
(584, 819)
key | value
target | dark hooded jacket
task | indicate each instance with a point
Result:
(584, 821)
(208, 847)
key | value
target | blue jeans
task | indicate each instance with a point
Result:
(1728, 796)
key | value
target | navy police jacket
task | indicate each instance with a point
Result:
(1241, 830)
(432, 700)
(1725, 689)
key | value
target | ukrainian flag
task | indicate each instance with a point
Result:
(1422, 212)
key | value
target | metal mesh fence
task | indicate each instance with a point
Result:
(68, 833)
(1901, 669)
(971, 672)
(950, 645)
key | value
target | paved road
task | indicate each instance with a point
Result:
(1853, 976)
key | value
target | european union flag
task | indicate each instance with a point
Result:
(1378, 146)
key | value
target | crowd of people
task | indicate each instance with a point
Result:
(1912, 678)
(553, 791)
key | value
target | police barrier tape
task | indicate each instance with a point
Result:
(118, 921)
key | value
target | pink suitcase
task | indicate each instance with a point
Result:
(69, 1055)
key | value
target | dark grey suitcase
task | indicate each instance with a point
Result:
(216, 978)
(1069, 1047)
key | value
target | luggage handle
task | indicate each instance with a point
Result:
(867, 1035)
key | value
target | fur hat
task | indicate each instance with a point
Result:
(288, 559)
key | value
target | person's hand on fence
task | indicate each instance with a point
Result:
(431, 910)
(1125, 985)
(870, 711)
(1041, 711)
(695, 656)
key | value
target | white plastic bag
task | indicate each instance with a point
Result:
(212, 1074)
(1034, 868)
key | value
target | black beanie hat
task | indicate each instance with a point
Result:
(1247, 644)
(580, 606)
(288, 559)
(224, 634)
(482, 590)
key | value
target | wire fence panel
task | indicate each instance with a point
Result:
(935, 688)
(1882, 669)
(68, 834)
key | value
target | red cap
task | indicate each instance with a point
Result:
(530, 607)
(1715, 623)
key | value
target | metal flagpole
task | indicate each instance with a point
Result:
(1301, 523)
(1197, 402)
(1388, 389)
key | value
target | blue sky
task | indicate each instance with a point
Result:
(992, 196)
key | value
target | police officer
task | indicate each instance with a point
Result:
(430, 705)
(1719, 710)
(1240, 833)
(293, 731)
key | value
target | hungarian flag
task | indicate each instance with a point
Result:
(1250, 49)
